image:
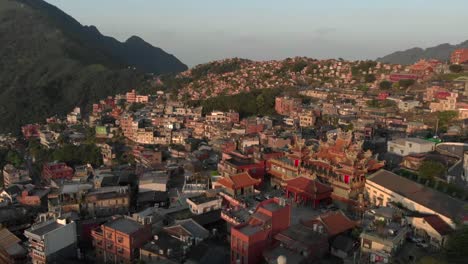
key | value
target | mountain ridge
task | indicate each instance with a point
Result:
(440, 52)
(51, 63)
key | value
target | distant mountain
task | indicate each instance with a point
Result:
(441, 52)
(50, 63)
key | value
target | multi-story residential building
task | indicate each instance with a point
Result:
(408, 105)
(119, 240)
(286, 105)
(406, 146)
(381, 240)
(459, 56)
(108, 153)
(449, 103)
(12, 175)
(131, 96)
(316, 93)
(203, 204)
(249, 240)
(385, 187)
(307, 119)
(56, 170)
(52, 241)
(222, 117)
(144, 136)
(107, 201)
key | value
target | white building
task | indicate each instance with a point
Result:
(203, 204)
(153, 181)
(407, 106)
(406, 146)
(385, 187)
(52, 239)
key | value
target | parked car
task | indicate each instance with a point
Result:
(422, 245)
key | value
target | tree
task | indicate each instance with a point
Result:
(136, 106)
(363, 87)
(385, 85)
(14, 158)
(455, 68)
(260, 100)
(457, 245)
(431, 169)
(406, 83)
(369, 78)
(446, 118)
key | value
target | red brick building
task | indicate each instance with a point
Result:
(118, 240)
(395, 77)
(459, 56)
(56, 170)
(249, 240)
(286, 105)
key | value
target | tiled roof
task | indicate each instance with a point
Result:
(308, 186)
(438, 224)
(434, 200)
(237, 181)
(335, 222)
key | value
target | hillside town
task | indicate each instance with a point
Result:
(365, 162)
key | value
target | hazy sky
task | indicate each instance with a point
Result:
(198, 31)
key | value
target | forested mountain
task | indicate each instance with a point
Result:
(441, 52)
(50, 63)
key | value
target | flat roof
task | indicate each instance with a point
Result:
(42, 230)
(432, 199)
(202, 199)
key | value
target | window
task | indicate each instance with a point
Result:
(120, 239)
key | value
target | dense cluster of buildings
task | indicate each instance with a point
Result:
(334, 175)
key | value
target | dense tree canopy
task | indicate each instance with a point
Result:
(455, 68)
(406, 83)
(385, 85)
(431, 169)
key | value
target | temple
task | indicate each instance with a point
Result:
(339, 161)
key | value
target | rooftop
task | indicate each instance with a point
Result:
(45, 227)
(124, 225)
(437, 201)
(202, 199)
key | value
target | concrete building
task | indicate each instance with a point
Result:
(56, 170)
(249, 240)
(52, 241)
(153, 181)
(407, 146)
(385, 187)
(119, 240)
(408, 105)
(203, 204)
(459, 56)
(12, 175)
